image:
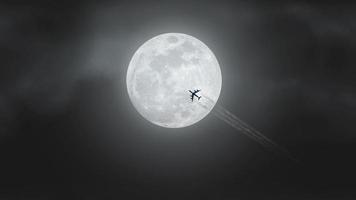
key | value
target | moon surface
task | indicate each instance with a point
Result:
(161, 73)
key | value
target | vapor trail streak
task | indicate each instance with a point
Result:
(231, 119)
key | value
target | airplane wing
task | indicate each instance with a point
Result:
(192, 97)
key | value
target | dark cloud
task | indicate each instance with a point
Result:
(68, 130)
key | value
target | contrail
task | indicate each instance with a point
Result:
(231, 119)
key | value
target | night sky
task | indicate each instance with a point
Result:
(69, 131)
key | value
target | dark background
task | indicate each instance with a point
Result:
(68, 129)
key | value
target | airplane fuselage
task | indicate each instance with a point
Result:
(194, 94)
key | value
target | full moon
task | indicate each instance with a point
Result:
(161, 73)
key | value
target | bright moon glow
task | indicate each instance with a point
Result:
(161, 73)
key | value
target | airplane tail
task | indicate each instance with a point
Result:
(199, 98)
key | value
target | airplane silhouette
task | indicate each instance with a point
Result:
(194, 94)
